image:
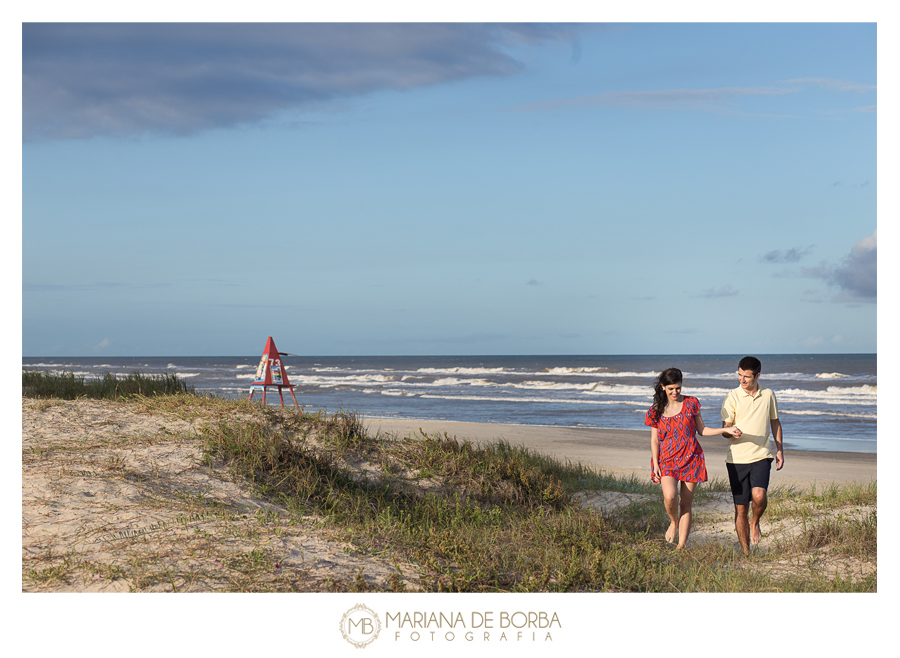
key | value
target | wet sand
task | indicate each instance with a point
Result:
(623, 452)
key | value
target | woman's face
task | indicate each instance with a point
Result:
(673, 391)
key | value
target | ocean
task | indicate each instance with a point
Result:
(827, 402)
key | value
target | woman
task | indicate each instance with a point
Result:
(674, 420)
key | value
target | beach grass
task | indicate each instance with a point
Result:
(831, 496)
(468, 518)
(69, 386)
(495, 518)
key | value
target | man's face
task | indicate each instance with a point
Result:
(747, 380)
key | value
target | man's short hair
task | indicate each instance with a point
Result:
(752, 364)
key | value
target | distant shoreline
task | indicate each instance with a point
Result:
(789, 443)
(826, 400)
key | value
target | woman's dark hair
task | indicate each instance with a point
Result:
(667, 377)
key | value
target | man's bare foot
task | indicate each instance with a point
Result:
(670, 533)
(755, 534)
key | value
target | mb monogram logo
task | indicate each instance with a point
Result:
(360, 626)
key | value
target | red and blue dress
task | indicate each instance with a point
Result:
(680, 454)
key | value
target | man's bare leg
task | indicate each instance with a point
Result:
(670, 499)
(684, 522)
(742, 526)
(760, 502)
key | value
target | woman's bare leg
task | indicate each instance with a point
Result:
(670, 499)
(684, 522)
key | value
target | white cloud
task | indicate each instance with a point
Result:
(856, 275)
(834, 85)
(792, 255)
(724, 291)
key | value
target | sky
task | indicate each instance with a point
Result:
(448, 188)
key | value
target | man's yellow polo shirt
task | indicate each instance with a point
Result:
(752, 415)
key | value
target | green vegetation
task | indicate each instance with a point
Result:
(468, 518)
(831, 497)
(68, 386)
(492, 518)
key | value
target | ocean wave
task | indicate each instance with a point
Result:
(77, 373)
(725, 376)
(834, 414)
(462, 371)
(706, 394)
(552, 386)
(64, 369)
(445, 381)
(572, 371)
(531, 384)
(331, 382)
(854, 390)
(488, 398)
(599, 388)
(854, 395)
(357, 380)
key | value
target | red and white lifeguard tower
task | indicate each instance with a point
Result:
(270, 373)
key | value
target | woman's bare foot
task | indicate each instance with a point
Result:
(670, 533)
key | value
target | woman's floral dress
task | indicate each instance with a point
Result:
(680, 454)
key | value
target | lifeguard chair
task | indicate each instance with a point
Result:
(270, 373)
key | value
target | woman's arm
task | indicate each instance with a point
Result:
(654, 453)
(703, 430)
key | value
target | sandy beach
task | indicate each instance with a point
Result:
(628, 451)
(117, 498)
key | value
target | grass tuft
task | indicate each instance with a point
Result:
(69, 386)
(855, 537)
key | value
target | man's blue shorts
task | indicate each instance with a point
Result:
(744, 477)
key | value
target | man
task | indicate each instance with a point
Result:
(754, 411)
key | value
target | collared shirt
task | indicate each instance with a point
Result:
(753, 415)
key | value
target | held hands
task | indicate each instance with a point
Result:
(732, 432)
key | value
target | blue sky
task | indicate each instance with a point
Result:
(448, 188)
